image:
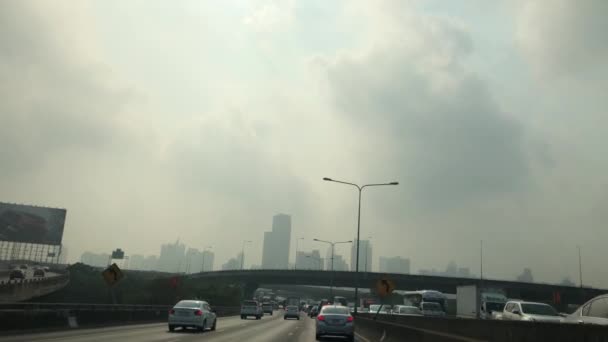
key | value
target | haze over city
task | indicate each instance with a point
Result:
(192, 120)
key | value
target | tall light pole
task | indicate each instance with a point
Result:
(332, 244)
(205, 249)
(367, 252)
(243, 253)
(360, 188)
(295, 266)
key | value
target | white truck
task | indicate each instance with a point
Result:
(472, 302)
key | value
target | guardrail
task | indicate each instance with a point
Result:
(47, 316)
(419, 328)
(31, 288)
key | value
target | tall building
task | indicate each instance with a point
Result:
(233, 263)
(309, 261)
(208, 259)
(194, 261)
(339, 263)
(275, 254)
(365, 256)
(96, 260)
(395, 265)
(172, 257)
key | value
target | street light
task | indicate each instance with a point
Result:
(367, 252)
(295, 266)
(360, 188)
(205, 249)
(243, 253)
(333, 244)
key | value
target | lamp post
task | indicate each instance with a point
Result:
(243, 253)
(332, 244)
(205, 249)
(360, 188)
(367, 252)
(295, 266)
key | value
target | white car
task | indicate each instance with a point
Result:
(406, 310)
(196, 314)
(517, 310)
(594, 311)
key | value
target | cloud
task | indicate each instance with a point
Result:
(563, 37)
(449, 139)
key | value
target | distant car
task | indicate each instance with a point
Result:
(251, 308)
(196, 314)
(292, 311)
(281, 307)
(406, 310)
(39, 273)
(340, 301)
(335, 320)
(595, 311)
(530, 311)
(267, 308)
(313, 311)
(46, 269)
(384, 309)
(16, 274)
(23, 267)
(431, 309)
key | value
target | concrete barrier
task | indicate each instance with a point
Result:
(24, 289)
(394, 328)
(56, 316)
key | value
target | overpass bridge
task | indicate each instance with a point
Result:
(252, 279)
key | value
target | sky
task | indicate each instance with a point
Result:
(152, 121)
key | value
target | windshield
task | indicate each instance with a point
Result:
(336, 311)
(188, 304)
(538, 309)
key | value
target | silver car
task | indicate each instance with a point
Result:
(335, 320)
(594, 311)
(406, 310)
(292, 311)
(196, 314)
(517, 310)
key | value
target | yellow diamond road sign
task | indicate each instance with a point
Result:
(112, 274)
(384, 287)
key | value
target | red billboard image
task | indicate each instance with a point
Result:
(30, 224)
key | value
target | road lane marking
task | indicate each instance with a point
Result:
(362, 338)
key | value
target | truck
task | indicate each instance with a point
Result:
(293, 301)
(473, 302)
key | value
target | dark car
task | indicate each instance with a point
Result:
(39, 273)
(16, 274)
(313, 311)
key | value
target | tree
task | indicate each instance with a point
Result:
(526, 276)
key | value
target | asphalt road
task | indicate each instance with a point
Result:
(268, 329)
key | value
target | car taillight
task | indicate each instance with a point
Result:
(171, 312)
(349, 319)
(321, 318)
(198, 313)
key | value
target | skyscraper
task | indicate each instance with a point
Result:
(395, 265)
(172, 257)
(365, 256)
(275, 254)
(208, 259)
(309, 260)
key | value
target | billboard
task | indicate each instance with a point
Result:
(24, 223)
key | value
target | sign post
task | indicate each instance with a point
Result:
(112, 275)
(384, 287)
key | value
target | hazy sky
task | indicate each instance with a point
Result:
(156, 120)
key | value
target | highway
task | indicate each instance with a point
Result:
(268, 329)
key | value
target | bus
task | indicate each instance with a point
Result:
(416, 298)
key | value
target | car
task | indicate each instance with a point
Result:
(267, 308)
(384, 309)
(16, 274)
(406, 310)
(322, 303)
(292, 311)
(335, 320)
(340, 301)
(313, 311)
(431, 309)
(39, 272)
(595, 311)
(23, 267)
(196, 314)
(46, 269)
(517, 310)
(251, 308)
